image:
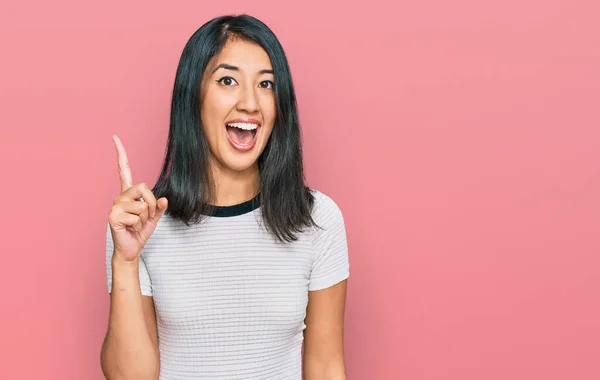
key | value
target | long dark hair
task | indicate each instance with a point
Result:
(286, 201)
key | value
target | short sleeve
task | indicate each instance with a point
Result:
(145, 284)
(330, 262)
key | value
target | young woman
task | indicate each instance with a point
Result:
(230, 264)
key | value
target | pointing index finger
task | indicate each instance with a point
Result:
(123, 164)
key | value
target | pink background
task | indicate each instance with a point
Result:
(460, 138)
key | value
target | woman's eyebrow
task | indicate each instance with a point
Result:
(227, 66)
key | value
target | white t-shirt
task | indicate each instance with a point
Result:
(230, 299)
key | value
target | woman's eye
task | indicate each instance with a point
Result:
(227, 81)
(268, 83)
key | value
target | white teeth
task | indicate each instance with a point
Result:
(246, 126)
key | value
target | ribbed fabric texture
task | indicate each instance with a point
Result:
(230, 299)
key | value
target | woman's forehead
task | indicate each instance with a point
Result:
(243, 55)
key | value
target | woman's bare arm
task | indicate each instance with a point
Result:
(130, 348)
(324, 334)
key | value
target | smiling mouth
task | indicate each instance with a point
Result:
(242, 135)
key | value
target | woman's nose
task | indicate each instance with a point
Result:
(248, 101)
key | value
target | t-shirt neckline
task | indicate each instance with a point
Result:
(237, 209)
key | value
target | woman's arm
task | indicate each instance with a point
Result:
(130, 348)
(324, 334)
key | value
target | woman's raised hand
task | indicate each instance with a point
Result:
(135, 211)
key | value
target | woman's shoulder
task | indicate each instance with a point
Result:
(325, 208)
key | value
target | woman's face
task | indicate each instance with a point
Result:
(238, 105)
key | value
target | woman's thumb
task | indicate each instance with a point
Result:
(162, 204)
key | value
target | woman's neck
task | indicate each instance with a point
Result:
(234, 187)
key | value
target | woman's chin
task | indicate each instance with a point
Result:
(240, 164)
